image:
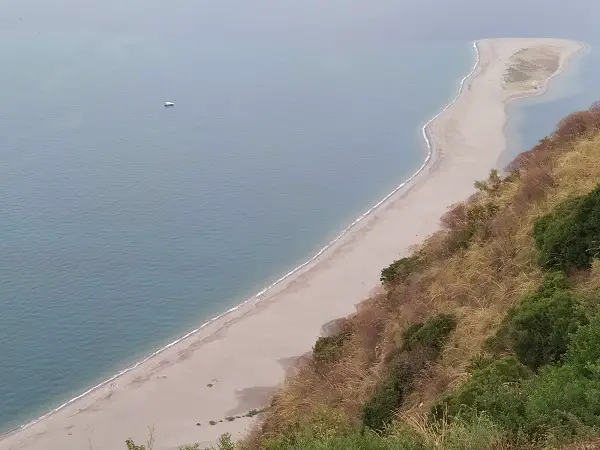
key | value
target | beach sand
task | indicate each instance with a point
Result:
(231, 365)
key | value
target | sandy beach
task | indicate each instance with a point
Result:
(231, 365)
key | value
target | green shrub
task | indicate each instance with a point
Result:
(569, 237)
(422, 343)
(540, 328)
(431, 334)
(562, 402)
(584, 349)
(400, 269)
(480, 432)
(543, 328)
(328, 348)
(557, 406)
(378, 412)
(328, 428)
(565, 400)
(494, 388)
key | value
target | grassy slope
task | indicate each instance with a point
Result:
(476, 268)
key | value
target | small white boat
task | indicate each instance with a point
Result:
(169, 104)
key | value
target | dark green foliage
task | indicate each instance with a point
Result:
(494, 388)
(562, 402)
(422, 343)
(328, 348)
(431, 334)
(400, 269)
(569, 238)
(540, 328)
(566, 399)
(389, 395)
(584, 349)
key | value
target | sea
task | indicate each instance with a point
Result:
(125, 224)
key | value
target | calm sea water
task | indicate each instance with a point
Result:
(124, 224)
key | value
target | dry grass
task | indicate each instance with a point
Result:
(478, 284)
(591, 445)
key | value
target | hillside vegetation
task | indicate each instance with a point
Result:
(486, 337)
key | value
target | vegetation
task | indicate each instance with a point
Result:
(486, 337)
(539, 329)
(389, 395)
(569, 237)
(494, 388)
(431, 334)
(328, 348)
(399, 270)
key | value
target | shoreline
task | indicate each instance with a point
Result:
(361, 225)
(584, 49)
(430, 159)
(429, 141)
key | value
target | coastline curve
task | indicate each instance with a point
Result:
(430, 159)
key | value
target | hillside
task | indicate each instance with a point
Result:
(486, 337)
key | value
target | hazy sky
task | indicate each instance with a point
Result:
(456, 19)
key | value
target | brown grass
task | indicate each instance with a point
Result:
(590, 445)
(478, 284)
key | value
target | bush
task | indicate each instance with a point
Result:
(562, 403)
(327, 428)
(480, 432)
(565, 400)
(494, 389)
(422, 343)
(543, 328)
(389, 395)
(569, 238)
(328, 348)
(540, 328)
(584, 349)
(465, 221)
(399, 270)
(431, 334)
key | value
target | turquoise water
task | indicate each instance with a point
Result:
(125, 224)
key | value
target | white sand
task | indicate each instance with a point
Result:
(244, 354)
